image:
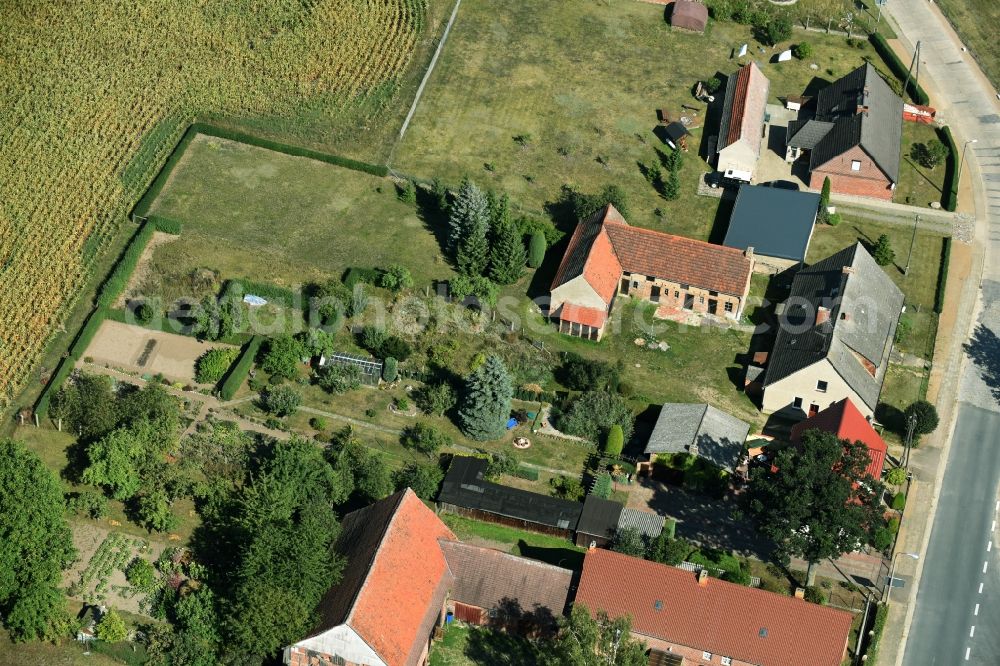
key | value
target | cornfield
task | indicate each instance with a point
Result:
(96, 92)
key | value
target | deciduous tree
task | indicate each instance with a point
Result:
(584, 640)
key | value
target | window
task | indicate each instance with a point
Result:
(685, 286)
(713, 293)
(797, 403)
(654, 294)
(821, 386)
(726, 661)
(677, 294)
(701, 299)
(650, 278)
(707, 656)
(855, 165)
(635, 284)
(729, 306)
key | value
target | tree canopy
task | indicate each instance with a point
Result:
(820, 502)
(486, 401)
(584, 640)
(36, 545)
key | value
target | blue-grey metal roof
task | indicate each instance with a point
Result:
(648, 523)
(775, 222)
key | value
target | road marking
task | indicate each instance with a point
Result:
(980, 588)
(989, 546)
(967, 651)
(972, 631)
(998, 506)
(993, 528)
(976, 612)
(985, 564)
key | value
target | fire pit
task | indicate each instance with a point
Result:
(521, 442)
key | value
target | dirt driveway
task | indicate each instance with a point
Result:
(145, 351)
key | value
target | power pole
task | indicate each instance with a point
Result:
(911, 424)
(913, 239)
(915, 61)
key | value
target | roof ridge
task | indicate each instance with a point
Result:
(732, 250)
(378, 551)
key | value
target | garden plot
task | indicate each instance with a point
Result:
(147, 352)
(98, 576)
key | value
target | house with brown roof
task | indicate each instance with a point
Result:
(405, 570)
(705, 620)
(607, 257)
(741, 133)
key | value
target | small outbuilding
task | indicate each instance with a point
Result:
(689, 15)
(777, 223)
(675, 135)
(699, 430)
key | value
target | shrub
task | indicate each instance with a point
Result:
(603, 485)
(501, 463)
(528, 473)
(833, 219)
(214, 364)
(583, 374)
(355, 276)
(895, 476)
(903, 328)
(436, 398)
(566, 487)
(318, 423)
(339, 378)
(593, 414)
(463, 286)
(395, 278)
(165, 225)
(423, 438)
(536, 249)
(87, 503)
(114, 285)
(712, 84)
(926, 417)
(373, 337)
(281, 400)
(390, 369)
(883, 252)
(951, 171)
(778, 29)
(240, 369)
(882, 538)
(144, 313)
(898, 502)
(614, 442)
(815, 594)
(406, 192)
(930, 154)
(802, 50)
(141, 574)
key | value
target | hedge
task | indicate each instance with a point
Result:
(942, 279)
(881, 615)
(951, 169)
(74, 353)
(141, 208)
(354, 275)
(240, 369)
(115, 283)
(898, 68)
(165, 224)
(271, 292)
(296, 151)
(528, 473)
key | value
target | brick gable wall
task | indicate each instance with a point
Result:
(870, 181)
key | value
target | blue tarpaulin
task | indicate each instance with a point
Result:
(511, 423)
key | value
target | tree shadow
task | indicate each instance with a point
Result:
(720, 225)
(919, 171)
(488, 646)
(434, 217)
(891, 417)
(984, 350)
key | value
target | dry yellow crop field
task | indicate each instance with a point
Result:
(96, 92)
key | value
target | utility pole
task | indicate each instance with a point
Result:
(911, 424)
(913, 239)
(915, 61)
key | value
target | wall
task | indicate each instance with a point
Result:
(870, 181)
(778, 397)
(772, 265)
(578, 292)
(340, 641)
(504, 520)
(692, 656)
(668, 288)
(739, 156)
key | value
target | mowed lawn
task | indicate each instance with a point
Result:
(529, 96)
(918, 185)
(254, 213)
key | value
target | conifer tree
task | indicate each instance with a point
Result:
(507, 252)
(469, 210)
(486, 401)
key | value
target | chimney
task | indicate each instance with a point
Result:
(800, 593)
(822, 315)
(703, 577)
(847, 270)
(748, 253)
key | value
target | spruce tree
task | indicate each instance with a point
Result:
(486, 401)
(469, 209)
(507, 253)
(472, 255)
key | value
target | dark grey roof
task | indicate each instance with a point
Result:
(599, 517)
(775, 222)
(701, 430)
(862, 306)
(676, 131)
(465, 486)
(806, 133)
(878, 130)
(648, 523)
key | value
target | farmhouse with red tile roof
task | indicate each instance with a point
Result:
(845, 421)
(606, 257)
(710, 621)
(742, 131)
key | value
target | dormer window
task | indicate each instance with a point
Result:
(855, 165)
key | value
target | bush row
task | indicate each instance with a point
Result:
(165, 224)
(881, 615)
(115, 283)
(240, 369)
(898, 68)
(74, 354)
(141, 208)
(270, 292)
(950, 169)
(296, 151)
(551, 397)
(942, 279)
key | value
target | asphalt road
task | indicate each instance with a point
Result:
(958, 605)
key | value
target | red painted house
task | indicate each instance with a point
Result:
(852, 135)
(845, 421)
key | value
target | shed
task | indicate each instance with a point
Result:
(647, 523)
(777, 223)
(700, 430)
(466, 491)
(371, 368)
(689, 15)
(598, 522)
(675, 134)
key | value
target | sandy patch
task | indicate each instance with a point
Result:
(141, 350)
(134, 287)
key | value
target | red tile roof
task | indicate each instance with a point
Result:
(723, 618)
(395, 580)
(748, 106)
(845, 421)
(605, 245)
(680, 259)
(583, 315)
